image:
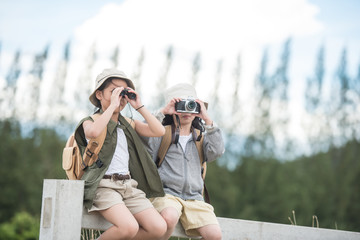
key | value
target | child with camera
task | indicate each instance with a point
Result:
(181, 168)
(118, 183)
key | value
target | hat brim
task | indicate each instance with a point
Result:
(93, 98)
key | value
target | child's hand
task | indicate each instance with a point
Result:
(170, 107)
(115, 97)
(203, 113)
(135, 103)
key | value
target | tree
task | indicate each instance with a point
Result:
(85, 83)
(26, 162)
(317, 124)
(232, 156)
(215, 99)
(280, 112)
(196, 66)
(162, 82)
(10, 91)
(136, 76)
(356, 87)
(21, 226)
(341, 103)
(57, 111)
(314, 84)
(261, 140)
(115, 57)
(14, 71)
(32, 89)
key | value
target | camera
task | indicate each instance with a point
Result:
(130, 95)
(187, 106)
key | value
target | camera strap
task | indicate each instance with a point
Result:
(196, 137)
(175, 128)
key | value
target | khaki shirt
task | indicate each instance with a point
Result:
(141, 166)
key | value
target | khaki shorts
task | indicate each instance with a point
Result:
(193, 213)
(110, 193)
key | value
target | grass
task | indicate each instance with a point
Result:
(315, 220)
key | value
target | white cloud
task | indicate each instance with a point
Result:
(219, 29)
(201, 24)
(216, 29)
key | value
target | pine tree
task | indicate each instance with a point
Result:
(85, 84)
(343, 107)
(317, 124)
(280, 112)
(32, 94)
(261, 141)
(215, 99)
(196, 66)
(162, 82)
(136, 76)
(56, 102)
(8, 99)
(115, 57)
(233, 143)
(314, 84)
(14, 71)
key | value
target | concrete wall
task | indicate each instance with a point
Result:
(63, 216)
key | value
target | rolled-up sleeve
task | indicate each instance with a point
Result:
(213, 143)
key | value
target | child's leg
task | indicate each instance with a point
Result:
(199, 218)
(210, 232)
(124, 226)
(170, 209)
(171, 217)
(152, 225)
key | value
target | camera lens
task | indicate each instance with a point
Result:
(191, 105)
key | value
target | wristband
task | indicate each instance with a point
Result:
(139, 107)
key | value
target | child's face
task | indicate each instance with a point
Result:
(107, 92)
(186, 118)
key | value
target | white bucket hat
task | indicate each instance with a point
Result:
(102, 77)
(181, 90)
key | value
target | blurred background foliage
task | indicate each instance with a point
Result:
(265, 174)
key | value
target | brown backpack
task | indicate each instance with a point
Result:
(168, 139)
(73, 163)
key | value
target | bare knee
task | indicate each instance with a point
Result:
(158, 230)
(131, 230)
(211, 232)
(170, 216)
(216, 236)
(127, 232)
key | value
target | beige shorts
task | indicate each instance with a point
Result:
(193, 213)
(110, 193)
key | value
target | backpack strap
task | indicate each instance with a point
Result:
(130, 121)
(164, 146)
(166, 141)
(93, 148)
(199, 146)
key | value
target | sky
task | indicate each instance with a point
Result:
(218, 29)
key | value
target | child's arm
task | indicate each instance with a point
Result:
(94, 129)
(152, 127)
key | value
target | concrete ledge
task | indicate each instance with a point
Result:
(245, 230)
(253, 230)
(63, 216)
(97, 221)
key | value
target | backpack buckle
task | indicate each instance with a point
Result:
(99, 163)
(89, 153)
